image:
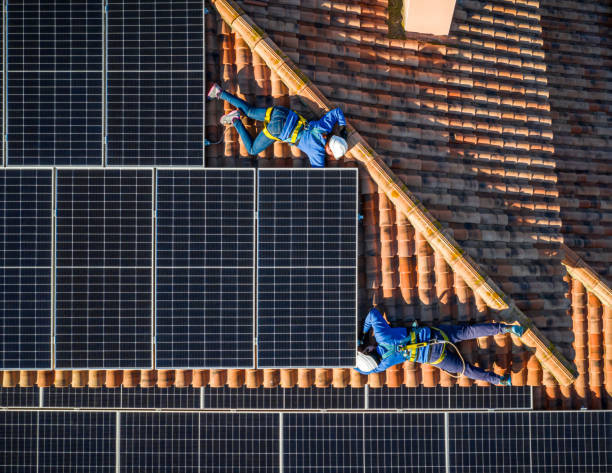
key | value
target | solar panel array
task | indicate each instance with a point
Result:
(306, 441)
(25, 268)
(54, 82)
(307, 264)
(155, 83)
(205, 257)
(103, 269)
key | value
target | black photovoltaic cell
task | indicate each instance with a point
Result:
(18, 443)
(25, 268)
(103, 269)
(278, 398)
(122, 398)
(455, 397)
(404, 442)
(159, 442)
(239, 442)
(324, 443)
(19, 397)
(205, 226)
(76, 441)
(306, 309)
(54, 82)
(155, 83)
(489, 442)
(571, 441)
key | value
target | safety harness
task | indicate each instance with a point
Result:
(408, 347)
(293, 124)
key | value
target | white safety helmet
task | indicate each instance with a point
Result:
(338, 146)
(366, 363)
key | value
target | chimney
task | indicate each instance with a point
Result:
(428, 16)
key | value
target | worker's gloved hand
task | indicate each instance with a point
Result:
(343, 133)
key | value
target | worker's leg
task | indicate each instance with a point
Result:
(253, 147)
(452, 364)
(457, 333)
(255, 113)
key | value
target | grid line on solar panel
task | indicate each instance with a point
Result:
(204, 268)
(495, 442)
(239, 442)
(155, 83)
(54, 88)
(306, 303)
(103, 269)
(404, 442)
(25, 268)
(18, 441)
(323, 442)
(76, 441)
(159, 442)
(571, 441)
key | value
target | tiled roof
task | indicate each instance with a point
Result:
(466, 122)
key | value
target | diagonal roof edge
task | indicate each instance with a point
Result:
(439, 239)
(580, 270)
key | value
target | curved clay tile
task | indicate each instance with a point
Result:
(341, 377)
(595, 338)
(114, 378)
(235, 378)
(9, 379)
(218, 378)
(254, 378)
(394, 376)
(579, 321)
(288, 378)
(62, 378)
(165, 378)
(358, 380)
(44, 379)
(412, 374)
(27, 379)
(271, 378)
(306, 377)
(96, 378)
(534, 370)
(200, 378)
(323, 377)
(182, 378)
(376, 380)
(131, 378)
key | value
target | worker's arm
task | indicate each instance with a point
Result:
(327, 121)
(376, 321)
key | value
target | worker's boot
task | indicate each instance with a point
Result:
(514, 329)
(229, 118)
(214, 92)
(505, 381)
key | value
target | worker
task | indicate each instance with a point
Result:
(388, 346)
(314, 138)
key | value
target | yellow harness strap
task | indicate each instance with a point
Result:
(301, 122)
(443, 354)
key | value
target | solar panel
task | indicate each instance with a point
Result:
(25, 268)
(20, 397)
(54, 88)
(239, 442)
(455, 397)
(324, 442)
(103, 269)
(205, 240)
(279, 398)
(571, 441)
(18, 443)
(76, 441)
(404, 442)
(155, 83)
(306, 309)
(489, 442)
(159, 442)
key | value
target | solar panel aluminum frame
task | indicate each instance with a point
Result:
(356, 302)
(56, 170)
(253, 270)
